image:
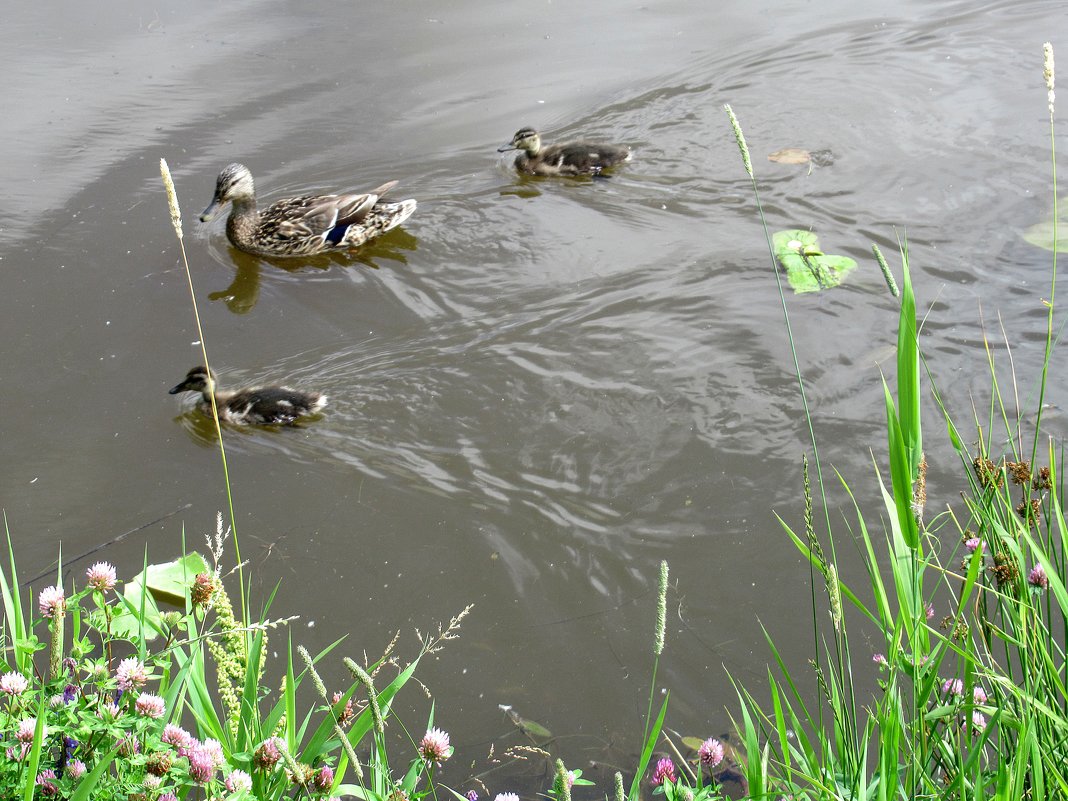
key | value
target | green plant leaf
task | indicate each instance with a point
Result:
(1041, 234)
(808, 269)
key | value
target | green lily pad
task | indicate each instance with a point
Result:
(1041, 234)
(170, 581)
(808, 269)
(166, 583)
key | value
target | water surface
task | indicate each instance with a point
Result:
(539, 388)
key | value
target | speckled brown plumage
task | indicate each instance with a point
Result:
(306, 225)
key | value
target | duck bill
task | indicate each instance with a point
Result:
(178, 388)
(210, 211)
(506, 148)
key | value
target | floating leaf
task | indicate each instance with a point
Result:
(808, 269)
(693, 743)
(535, 731)
(790, 155)
(166, 583)
(1041, 234)
(169, 582)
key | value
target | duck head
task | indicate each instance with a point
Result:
(526, 139)
(198, 379)
(233, 184)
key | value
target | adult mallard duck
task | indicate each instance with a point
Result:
(305, 225)
(258, 406)
(568, 158)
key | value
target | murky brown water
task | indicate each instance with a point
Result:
(539, 388)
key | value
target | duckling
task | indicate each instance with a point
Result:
(568, 158)
(302, 226)
(262, 406)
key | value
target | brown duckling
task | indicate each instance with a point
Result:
(253, 406)
(567, 158)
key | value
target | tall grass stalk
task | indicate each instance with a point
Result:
(839, 641)
(652, 728)
(176, 222)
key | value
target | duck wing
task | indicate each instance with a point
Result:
(586, 157)
(271, 405)
(322, 215)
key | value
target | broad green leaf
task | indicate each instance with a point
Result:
(808, 269)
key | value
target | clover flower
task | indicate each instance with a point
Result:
(238, 781)
(131, 673)
(434, 747)
(13, 684)
(44, 781)
(879, 659)
(267, 755)
(1038, 578)
(75, 769)
(176, 736)
(711, 752)
(973, 544)
(203, 589)
(665, 770)
(506, 797)
(324, 778)
(27, 726)
(201, 763)
(953, 687)
(52, 602)
(151, 706)
(979, 695)
(101, 577)
(978, 721)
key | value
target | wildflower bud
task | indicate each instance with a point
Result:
(1038, 578)
(203, 589)
(267, 755)
(324, 778)
(159, 762)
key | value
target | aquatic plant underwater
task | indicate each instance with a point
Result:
(104, 694)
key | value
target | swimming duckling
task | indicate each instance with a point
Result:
(305, 225)
(261, 406)
(568, 158)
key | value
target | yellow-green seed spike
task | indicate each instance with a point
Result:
(887, 275)
(742, 146)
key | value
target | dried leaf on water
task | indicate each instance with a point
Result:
(790, 155)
